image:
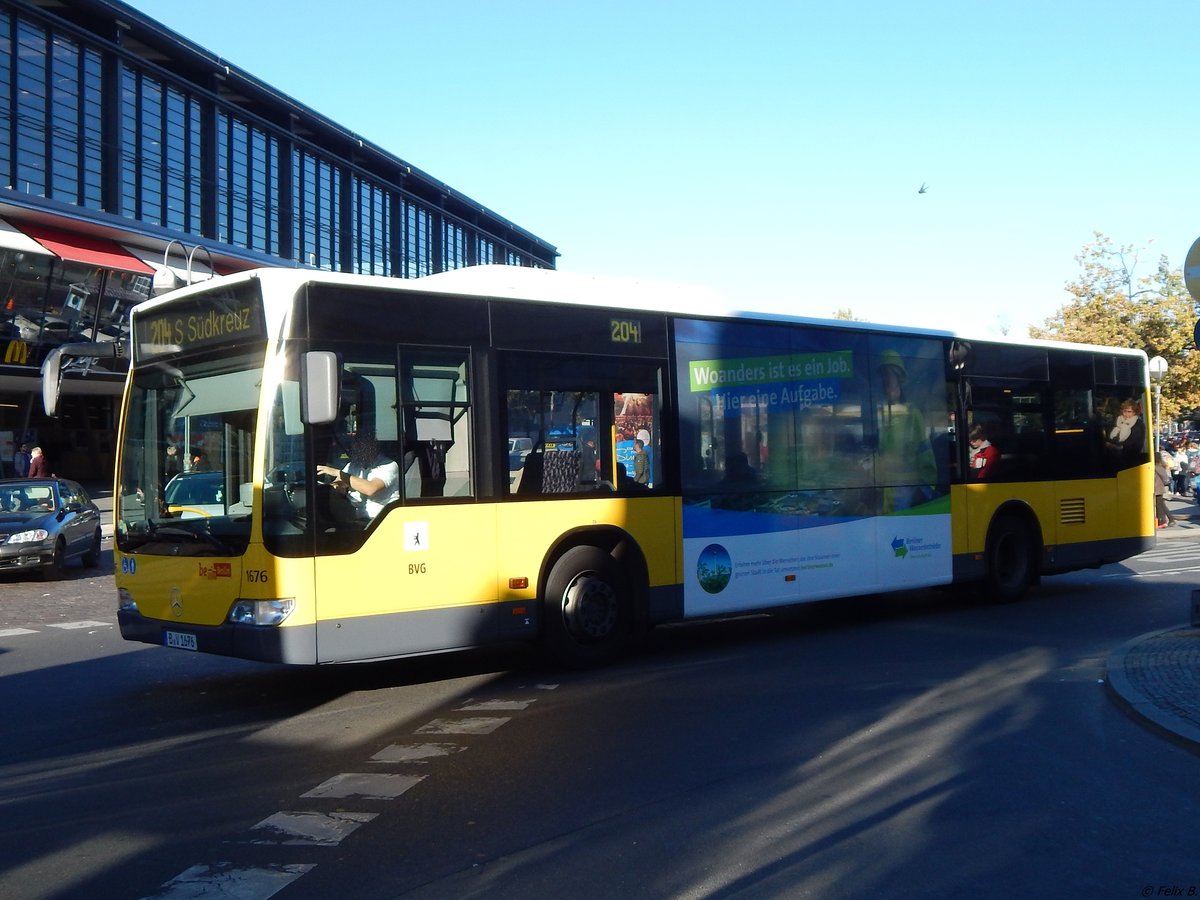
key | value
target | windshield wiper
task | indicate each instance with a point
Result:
(173, 534)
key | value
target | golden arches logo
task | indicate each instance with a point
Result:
(17, 353)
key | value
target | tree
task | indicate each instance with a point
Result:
(1154, 313)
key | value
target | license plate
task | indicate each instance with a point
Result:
(179, 639)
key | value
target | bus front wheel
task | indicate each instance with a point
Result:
(1010, 559)
(586, 610)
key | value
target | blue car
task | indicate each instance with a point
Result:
(46, 522)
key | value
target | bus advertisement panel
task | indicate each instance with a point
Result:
(813, 468)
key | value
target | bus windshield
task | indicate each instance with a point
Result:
(187, 455)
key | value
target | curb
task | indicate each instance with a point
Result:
(1132, 701)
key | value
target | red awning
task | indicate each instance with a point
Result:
(83, 248)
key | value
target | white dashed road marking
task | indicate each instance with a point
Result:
(369, 785)
(477, 725)
(226, 880)
(61, 626)
(415, 753)
(315, 828)
(494, 705)
(308, 828)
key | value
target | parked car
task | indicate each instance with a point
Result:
(46, 522)
(47, 329)
(518, 449)
(195, 495)
(104, 332)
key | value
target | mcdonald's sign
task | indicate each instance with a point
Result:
(17, 353)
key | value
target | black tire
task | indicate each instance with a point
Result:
(53, 571)
(91, 557)
(1011, 561)
(587, 610)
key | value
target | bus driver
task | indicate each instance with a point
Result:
(370, 480)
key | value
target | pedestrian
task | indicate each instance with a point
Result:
(641, 462)
(1162, 483)
(39, 466)
(1179, 470)
(21, 461)
(1193, 452)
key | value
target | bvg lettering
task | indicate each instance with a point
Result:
(416, 568)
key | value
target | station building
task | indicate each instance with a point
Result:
(133, 161)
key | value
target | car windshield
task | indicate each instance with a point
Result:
(28, 497)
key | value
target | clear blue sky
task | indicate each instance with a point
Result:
(774, 150)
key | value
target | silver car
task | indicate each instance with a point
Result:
(44, 522)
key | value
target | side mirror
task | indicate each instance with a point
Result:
(52, 368)
(320, 380)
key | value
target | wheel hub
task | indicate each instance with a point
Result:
(590, 607)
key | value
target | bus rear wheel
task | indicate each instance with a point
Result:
(586, 610)
(1010, 560)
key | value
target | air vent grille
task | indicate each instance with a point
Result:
(1072, 511)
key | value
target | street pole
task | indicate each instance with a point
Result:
(1158, 368)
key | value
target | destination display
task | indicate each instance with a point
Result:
(216, 319)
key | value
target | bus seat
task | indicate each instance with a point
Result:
(560, 471)
(430, 456)
(531, 473)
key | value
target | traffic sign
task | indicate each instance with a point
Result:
(1191, 270)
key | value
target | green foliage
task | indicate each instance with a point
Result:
(1114, 307)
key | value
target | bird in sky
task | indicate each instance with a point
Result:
(922, 188)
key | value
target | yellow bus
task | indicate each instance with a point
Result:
(322, 468)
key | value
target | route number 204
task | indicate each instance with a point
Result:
(625, 331)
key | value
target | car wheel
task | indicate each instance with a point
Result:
(53, 570)
(91, 557)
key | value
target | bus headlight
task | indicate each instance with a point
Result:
(261, 612)
(125, 600)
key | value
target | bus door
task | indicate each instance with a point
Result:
(404, 560)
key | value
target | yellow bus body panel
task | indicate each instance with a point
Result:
(423, 557)
(182, 590)
(528, 531)
(1069, 512)
(418, 558)
(435, 557)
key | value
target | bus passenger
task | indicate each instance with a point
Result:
(369, 480)
(1127, 440)
(983, 454)
(589, 459)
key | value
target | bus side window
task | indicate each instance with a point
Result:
(579, 426)
(436, 415)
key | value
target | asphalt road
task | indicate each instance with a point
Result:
(903, 746)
